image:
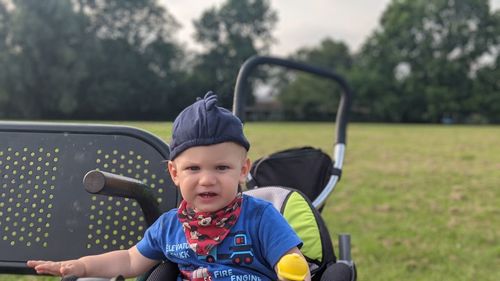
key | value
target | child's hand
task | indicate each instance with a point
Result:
(61, 268)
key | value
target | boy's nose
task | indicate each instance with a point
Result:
(207, 178)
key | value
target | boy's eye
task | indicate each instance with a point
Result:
(222, 167)
(192, 168)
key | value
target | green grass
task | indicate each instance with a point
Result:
(420, 201)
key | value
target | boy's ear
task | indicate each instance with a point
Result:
(172, 170)
(245, 169)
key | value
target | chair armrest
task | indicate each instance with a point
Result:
(104, 183)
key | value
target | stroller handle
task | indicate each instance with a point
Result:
(250, 64)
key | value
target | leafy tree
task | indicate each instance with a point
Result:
(87, 59)
(305, 97)
(41, 64)
(3, 56)
(230, 34)
(486, 98)
(330, 54)
(135, 61)
(485, 101)
(139, 22)
(419, 65)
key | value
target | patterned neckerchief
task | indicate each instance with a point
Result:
(204, 230)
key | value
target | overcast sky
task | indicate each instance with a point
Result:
(301, 23)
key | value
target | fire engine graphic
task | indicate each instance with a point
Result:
(240, 250)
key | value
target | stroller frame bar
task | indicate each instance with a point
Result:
(342, 112)
(339, 151)
(249, 65)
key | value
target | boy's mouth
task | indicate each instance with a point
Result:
(207, 194)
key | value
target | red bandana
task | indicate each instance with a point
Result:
(204, 230)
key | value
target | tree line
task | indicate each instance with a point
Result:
(427, 61)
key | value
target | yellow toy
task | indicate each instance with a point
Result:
(292, 267)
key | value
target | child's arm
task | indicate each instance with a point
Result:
(128, 263)
(296, 251)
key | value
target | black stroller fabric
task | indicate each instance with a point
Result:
(306, 169)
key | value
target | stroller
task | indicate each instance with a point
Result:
(300, 197)
(59, 155)
(299, 180)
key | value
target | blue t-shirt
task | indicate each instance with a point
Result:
(257, 241)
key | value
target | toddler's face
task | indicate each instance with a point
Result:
(208, 176)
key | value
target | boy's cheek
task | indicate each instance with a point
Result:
(175, 179)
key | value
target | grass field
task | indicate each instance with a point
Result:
(420, 201)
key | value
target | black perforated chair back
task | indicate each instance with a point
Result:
(45, 212)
